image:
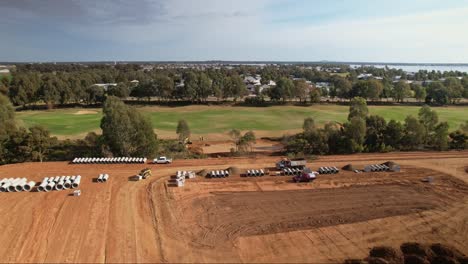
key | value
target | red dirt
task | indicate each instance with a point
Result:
(264, 219)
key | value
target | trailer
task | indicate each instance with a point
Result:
(291, 163)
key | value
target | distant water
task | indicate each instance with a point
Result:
(415, 68)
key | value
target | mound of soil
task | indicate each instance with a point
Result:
(416, 249)
(389, 254)
(233, 170)
(466, 169)
(373, 260)
(349, 167)
(414, 259)
(202, 173)
(390, 163)
(444, 260)
(444, 250)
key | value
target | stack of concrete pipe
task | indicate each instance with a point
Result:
(16, 185)
(108, 160)
(254, 173)
(376, 168)
(219, 174)
(185, 174)
(328, 170)
(292, 171)
(103, 177)
(59, 183)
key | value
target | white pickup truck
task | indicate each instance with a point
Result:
(162, 160)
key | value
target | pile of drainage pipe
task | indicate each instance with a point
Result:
(376, 168)
(103, 178)
(16, 185)
(116, 160)
(254, 173)
(182, 175)
(59, 183)
(291, 171)
(328, 170)
(219, 174)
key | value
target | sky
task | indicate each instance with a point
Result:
(425, 31)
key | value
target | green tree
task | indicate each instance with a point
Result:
(235, 135)
(126, 131)
(401, 91)
(355, 132)
(246, 141)
(309, 125)
(342, 86)
(283, 89)
(413, 137)
(301, 89)
(40, 142)
(419, 92)
(183, 130)
(358, 108)
(458, 140)
(437, 93)
(121, 90)
(441, 136)
(376, 127)
(393, 134)
(315, 95)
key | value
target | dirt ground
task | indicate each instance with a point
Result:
(237, 219)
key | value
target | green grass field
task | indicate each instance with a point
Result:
(219, 119)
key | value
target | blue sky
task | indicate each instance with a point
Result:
(285, 30)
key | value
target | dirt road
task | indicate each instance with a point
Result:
(265, 219)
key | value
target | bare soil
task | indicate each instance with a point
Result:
(237, 219)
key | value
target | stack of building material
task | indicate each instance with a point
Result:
(219, 174)
(254, 173)
(328, 170)
(292, 171)
(114, 160)
(103, 177)
(16, 185)
(59, 183)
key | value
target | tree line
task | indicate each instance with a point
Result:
(75, 84)
(371, 133)
(125, 132)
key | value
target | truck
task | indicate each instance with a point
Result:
(306, 176)
(291, 163)
(162, 160)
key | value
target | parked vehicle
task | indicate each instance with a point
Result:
(287, 163)
(306, 176)
(162, 160)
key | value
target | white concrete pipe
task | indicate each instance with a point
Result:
(101, 176)
(105, 177)
(76, 182)
(12, 187)
(42, 186)
(56, 179)
(49, 187)
(4, 187)
(67, 178)
(20, 184)
(29, 186)
(72, 178)
(67, 184)
(62, 179)
(59, 186)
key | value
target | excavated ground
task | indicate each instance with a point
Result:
(236, 219)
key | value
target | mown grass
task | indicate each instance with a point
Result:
(219, 119)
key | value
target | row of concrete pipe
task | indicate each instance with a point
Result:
(16, 185)
(103, 177)
(59, 183)
(108, 160)
(328, 170)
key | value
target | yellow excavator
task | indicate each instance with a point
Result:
(145, 173)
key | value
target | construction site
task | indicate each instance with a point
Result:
(247, 209)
